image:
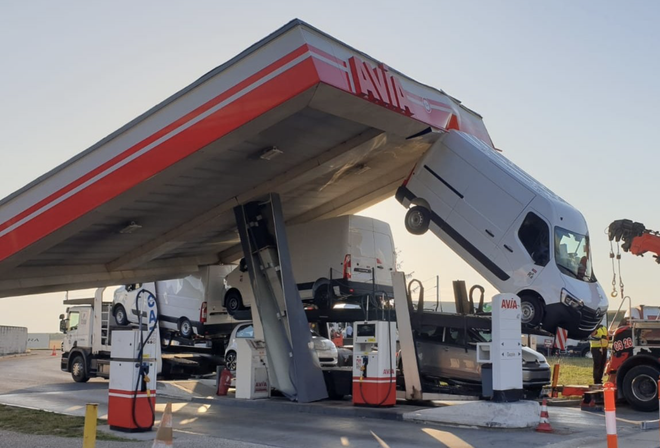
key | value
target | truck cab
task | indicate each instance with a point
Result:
(86, 345)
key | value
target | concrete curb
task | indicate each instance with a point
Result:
(487, 414)
(523, 414)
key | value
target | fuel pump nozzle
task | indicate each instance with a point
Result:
(363, 367)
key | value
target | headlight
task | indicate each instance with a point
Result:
(323, 344)
(568, 300)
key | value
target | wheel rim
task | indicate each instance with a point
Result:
(230, 361)
(527, 312)
(185, 327)
(233, 303)
(415, 220)
(120, 315)
(644, 387)
(77, 368)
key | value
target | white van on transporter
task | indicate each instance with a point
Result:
(516, 233)
(347, 257)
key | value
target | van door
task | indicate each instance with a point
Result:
(362, 253)
(385, 258)
(527, 246)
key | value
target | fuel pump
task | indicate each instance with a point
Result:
(374, 363)
(133, 370)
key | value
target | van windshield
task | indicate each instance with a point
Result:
(572, 254)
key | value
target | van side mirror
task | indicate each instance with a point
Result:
(63, 324)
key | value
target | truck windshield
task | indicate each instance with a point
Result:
(572, 254)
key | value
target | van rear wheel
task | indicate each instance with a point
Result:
(233, 301)
(531, 312)
(120, 315)
(417, 220)
(185, 327)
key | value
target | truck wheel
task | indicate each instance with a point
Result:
(531, 312)
(79, 370)
(233, 301)
(640, 388)
(185, 327)
(120, 315)
(230, 360)
(417, 220)
(323, 295)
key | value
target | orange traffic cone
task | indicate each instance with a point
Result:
(54, 353)
(544, 424)
(164, 435)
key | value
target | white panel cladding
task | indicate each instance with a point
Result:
(13, 340)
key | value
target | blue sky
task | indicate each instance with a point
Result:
(568, 90)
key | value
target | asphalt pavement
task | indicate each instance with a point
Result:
(202, 419)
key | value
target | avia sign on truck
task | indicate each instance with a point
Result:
(520, 236)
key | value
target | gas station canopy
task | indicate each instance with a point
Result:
(301, 114)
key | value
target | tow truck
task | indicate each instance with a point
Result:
(634, 365)
(88, 326)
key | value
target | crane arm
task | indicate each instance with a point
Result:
(637, 239)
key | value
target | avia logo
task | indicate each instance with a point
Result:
(509, 304)
(379, 86)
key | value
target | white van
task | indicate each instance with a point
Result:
(182, 303)
(347, 257)
(515, 232)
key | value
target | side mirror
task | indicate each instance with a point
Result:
(61, 316)
(63, 325)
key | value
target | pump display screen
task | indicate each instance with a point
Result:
(366, 330)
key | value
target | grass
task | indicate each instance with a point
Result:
(30, 421)
(574, 371)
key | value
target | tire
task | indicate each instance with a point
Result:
(531, 312)
(417, 220)
(79, 369)
(233, 302)
(585, 351)
(640, 388)
(230, 360)
(185, 327)
(323, 295)
(120, 315)
(533, 393)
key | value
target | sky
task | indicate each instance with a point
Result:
(568, 91)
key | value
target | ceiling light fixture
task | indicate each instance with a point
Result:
(269, 153)
(131, 227)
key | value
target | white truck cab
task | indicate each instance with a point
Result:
(515, 232)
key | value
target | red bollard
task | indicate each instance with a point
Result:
(224, 382)
(610, 416)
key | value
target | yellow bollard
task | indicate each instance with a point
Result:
(89, 434)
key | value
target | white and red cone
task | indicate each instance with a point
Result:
(164, 435)
(544, 424)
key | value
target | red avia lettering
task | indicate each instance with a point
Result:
(379, 86)
(509, 304)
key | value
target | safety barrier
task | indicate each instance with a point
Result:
(610, 416)
(164, 435)
(544, 423)
(89, 433)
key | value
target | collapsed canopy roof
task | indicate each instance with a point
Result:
(299, 113)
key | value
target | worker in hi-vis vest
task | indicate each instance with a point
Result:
(599, 340)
